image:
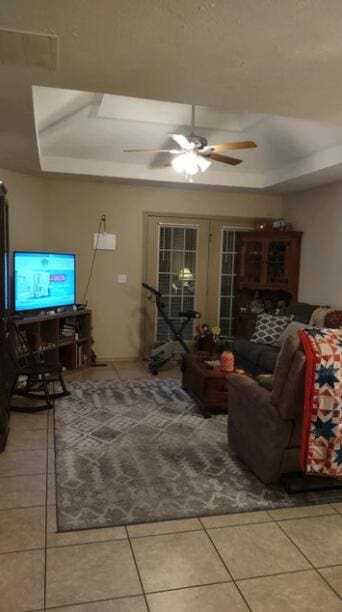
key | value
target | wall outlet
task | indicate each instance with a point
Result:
(122, 279)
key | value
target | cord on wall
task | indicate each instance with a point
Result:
(101, 227)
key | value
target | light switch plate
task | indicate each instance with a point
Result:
(122, 278)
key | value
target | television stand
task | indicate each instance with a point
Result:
(63, 336)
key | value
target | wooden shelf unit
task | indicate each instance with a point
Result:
(268, 263)
(270, 260)
(47, 334)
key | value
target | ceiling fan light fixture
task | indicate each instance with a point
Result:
(195, 154)
(178, 163)
(203, 163)
(186, 163)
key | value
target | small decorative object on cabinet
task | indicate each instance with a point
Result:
(204, 340)
(227, 361)
(208, 338)
(268, 274)
(281, 224)
(262, 225)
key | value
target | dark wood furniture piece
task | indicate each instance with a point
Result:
(268, 264)
(35, 377)
(42, 347)
(4, 389)
(64, 337)
(207, 386)
(5, 374)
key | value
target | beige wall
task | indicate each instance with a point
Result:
(62, 214)
(69, 210)
(27, 197)
(74, 211)
(318, 213)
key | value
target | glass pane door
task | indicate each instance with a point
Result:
(222, 275)
(177, 264)
(228, 282)
(177, 276)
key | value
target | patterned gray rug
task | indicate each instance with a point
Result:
(140, 451)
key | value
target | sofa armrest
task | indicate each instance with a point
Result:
(248, 386)
(246, 395)
(256, 431)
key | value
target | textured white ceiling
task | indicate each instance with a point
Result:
(271, 57)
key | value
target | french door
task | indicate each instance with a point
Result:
(177, 255)
(193, 262)
(222, 280)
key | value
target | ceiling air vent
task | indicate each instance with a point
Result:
(28, 49)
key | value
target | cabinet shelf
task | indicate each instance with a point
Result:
(72, 353)
(269, 264)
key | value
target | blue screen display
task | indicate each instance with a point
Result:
(6, 292)
(43, 280)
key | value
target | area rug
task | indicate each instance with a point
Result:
(139, 451)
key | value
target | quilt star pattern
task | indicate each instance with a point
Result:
(321, 448)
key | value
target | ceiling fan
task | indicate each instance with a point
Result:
(195, 153)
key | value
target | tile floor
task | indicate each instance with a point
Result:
(282, 560)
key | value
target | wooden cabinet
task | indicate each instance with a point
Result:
(5, 365)
(268, 273)
(269, 260)
(64, 336)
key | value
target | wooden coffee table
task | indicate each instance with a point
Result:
(207, 386)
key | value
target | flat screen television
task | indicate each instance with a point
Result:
(43, 280)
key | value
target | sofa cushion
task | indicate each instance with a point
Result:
(301, 311)
(296, 436)
(268, 328)
(291, 402)
(249, 350)
(292, 327)
(268, 358)
(284, 363)
(265, 381)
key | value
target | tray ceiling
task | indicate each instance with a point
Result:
(273, 59)
(84, 133)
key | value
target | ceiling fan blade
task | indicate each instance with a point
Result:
(232, 161)
(182, 141)
(172, 151)
(159, 165)
(159, 160)
(229, 146)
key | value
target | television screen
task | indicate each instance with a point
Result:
(6, 302)
(43, 280)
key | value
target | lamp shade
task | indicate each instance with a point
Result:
(185, 274)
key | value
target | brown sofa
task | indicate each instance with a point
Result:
(264, 427)
(259, 358)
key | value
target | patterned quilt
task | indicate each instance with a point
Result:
(321, 449)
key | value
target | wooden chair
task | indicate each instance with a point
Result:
(33, 374)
